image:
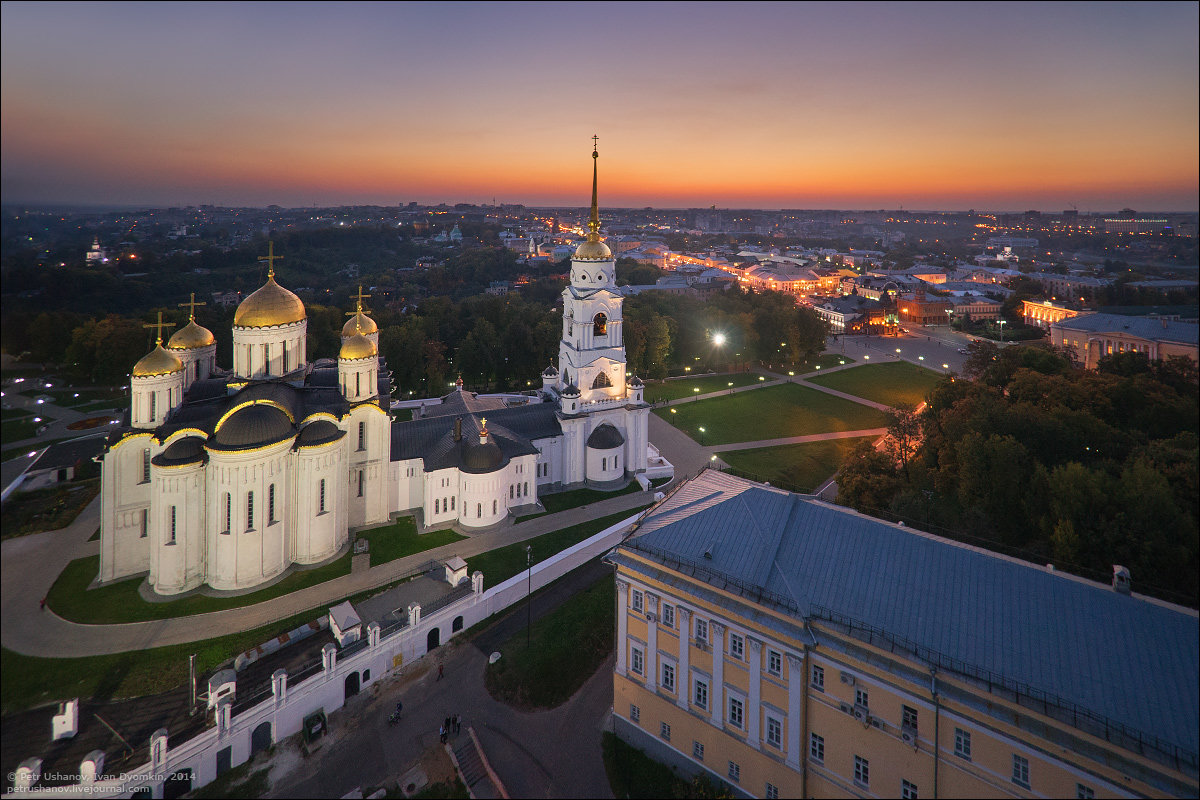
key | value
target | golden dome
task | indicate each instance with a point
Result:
(359, 323)
(269, 306)
(157, 362)
(593, 251)
(190, 337)
(356, 347)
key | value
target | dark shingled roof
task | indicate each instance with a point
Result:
(459, 403)
(511, 431)
(253, 426)
(61, 455)
(321, 431)
(188, 450)
(605, 437)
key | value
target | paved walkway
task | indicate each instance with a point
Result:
(553, 753)
(816, 437)
(29, 565)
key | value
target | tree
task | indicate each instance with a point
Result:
(868, 480)
(903, 435)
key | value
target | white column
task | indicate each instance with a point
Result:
(796, 677)
(755, 699)
(683, 680)
(651, 642)
(622, 624)
(716, 697)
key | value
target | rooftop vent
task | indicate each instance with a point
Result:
(1121, 581)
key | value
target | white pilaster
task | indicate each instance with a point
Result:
(651, 642)
(755, 699)
(717, 695)
(795, 725)
(683, 681)
(622, 625)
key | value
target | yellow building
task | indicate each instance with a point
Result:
(1091, 337)
(793, 648)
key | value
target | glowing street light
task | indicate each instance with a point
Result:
(718, 339)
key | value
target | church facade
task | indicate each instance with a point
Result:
(227, 478)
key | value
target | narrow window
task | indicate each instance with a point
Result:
(774, 662)
(228, 512)
(1020, 771)
(637, 599)
(437, 506)
(635, 713)
(250, 511)
(321, 497)
(908, 791)
(735, 772)
(493, 508)
(603, 464)
(862, 771)
(774, 733)
(668, 677)
(701, 694)
(511, 491)
(816, 748)
(360, 483)
(636, 662)
(153, 405)
(267, 358)
(1083, 792)
(668, 616)
(701, 631)
(172, 539)
(697, 751)
(737, 646)
(479, 511)
(664, 730)
(908, 718)
(962, 743)
(452, 503)
(362, 436)
(145, 523)
(146, 465)
(271, 504)
(526, 488)
(357, 384)
(861, 698)
(772, 792)
(735, 712)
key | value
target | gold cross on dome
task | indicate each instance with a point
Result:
(359, 298)
(191, 307)
(595, 142)
(159, 326)
(270, 258)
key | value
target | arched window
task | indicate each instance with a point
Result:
(362, 436)
(478, 510)
(526, 488)
(603, 464)
(452, 503)
(146, 465)
(250, 511)
(437, 506)
(321, 498)
(602, 381)
(511, 491)
(493, 507)
(357, 383)
(172, 539)
(600, 325)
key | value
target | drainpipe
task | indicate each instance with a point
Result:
(937, 744)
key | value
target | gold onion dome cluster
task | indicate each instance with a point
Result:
(269, 306)
(356, 347)
(359, 323)
(157, 362)
(191, 337)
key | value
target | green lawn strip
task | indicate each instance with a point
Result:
(67, 399)
(45, 509)
(891, 384)
(825, 361)
(502, 563)
(633, 774)
(120, 602)
(798, 467)
(775, 412)
(25, 428)
(11, 414)
(563, 501)
(401, 539)
(442, 790)
(686, 387)
(564, 649)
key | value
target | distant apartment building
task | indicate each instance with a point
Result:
(1068, 285)
(973, 307)
(1134, 225)
(1090, 337)
(851, 314)
(792, 648)
(1000, 242)
(1043, 313)
(921, 309)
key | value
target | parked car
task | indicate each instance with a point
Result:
(964, 350)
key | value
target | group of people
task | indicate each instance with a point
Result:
(451, 727)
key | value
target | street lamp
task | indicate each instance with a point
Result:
(528, 593)
(701, 434)
(1003, 322)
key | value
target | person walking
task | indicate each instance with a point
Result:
(441, 671)
(442, 734)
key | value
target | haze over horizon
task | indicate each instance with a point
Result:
(848, 106)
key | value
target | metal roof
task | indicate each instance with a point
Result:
(1154, 329)
(1127, 658)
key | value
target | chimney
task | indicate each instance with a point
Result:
(457, 428)
(1121, 580)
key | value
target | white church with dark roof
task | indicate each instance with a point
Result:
(227, 478)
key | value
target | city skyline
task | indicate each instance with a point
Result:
(863, 106)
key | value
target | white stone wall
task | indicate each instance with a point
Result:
(167, 394)
(440, 487)
(373, 459)
(358, 378)
(177, 564)
(198, 363)
(318, 535)
(484, 498)
(123, 549)
(605, 465)
(261, 352)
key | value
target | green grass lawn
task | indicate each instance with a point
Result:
(120, 602)
(824, 361)
(502, 563)
(633, 774)
(799, 467)
(565, 648)
(686, 387)
(14, 430)
(108, 396)
(46, 509)
(892, 383)
(14, 414)
(401, 539)
(562, 501)
(774, 412)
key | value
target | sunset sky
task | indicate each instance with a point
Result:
(991, 105)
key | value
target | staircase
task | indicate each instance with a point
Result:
(473, 768)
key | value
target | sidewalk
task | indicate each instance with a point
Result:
(29, 565)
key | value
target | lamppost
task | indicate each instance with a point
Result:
(1003, 322)
(528, 592)
(701, 435)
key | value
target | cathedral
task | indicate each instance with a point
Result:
(227, 478)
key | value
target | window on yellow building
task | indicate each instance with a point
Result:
(962, 743)
(816, 748)
(908, 791)
(737, 646)
(774, 662)
(638, 601)
(861, 698)
(818, 678)
(701, 694)
(668, 616)
(862, 771)
(1083, 792)
(772, 791)
(908, 717)
(637, 661)
(1020, 771)
(664, 730)
(736, 712)
(774, 733)
(635, 713)
(701, 631)
(697, 751)
(735, 772)
(668, 677)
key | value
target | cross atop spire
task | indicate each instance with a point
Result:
(594, 219)
(270, 258)
(191, 307)
(358, 302)
(159, 326)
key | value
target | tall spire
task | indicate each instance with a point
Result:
(594, 220)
